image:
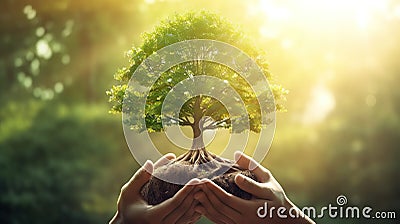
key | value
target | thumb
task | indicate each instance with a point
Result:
(253, 187)
(140, 178)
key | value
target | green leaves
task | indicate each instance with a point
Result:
(188, 26)
(116, 95)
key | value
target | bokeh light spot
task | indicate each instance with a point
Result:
(43, 49)
(58, 87)
(40, 31)
(35, 66)
(65, 59)
(30, 12)
(18, 62)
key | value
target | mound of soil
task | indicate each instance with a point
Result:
(194, 164)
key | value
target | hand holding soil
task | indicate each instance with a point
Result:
(133, 209)
(204, 197)
(222, 207)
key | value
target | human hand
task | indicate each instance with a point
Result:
(222, 207)
(133, 209)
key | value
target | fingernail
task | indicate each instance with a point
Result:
(253, 164)
(237, 155)
(194, 181)
(170, 154)
(148, 166)
(204, 180)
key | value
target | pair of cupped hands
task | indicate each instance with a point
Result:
(204, 197)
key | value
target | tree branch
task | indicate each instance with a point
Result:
(216, 124)
(186, 120)
(180, 121)
(186, 123)
(185, 114)
(174, 119)
(211, 127)
(221, 121)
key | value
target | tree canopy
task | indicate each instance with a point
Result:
(67, 165)
(189, 26)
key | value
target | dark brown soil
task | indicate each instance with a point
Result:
(194, 164)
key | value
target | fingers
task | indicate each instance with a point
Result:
(190, 216)
(222, 202)
(246, 162)
(195, 218)
(210, 210)
(130, 194)
(164, 160)
(216, 192)
(137, 181)
(203, 211)
(142, 176)
(253, 187)
(175, 202)
(184, 207)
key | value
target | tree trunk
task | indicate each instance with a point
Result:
(197, 127)
(198, 153)
(198, 142)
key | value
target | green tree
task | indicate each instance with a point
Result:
(199, 112)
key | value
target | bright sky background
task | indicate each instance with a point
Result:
(330, 34)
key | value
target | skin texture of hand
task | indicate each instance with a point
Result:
(222, 207)
(133, 209)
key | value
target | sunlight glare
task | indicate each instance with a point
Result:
(268, 32)
(360, 12)
(363, 19)
(273, 12)
(396, 11)
(286, 43)
(321, 104)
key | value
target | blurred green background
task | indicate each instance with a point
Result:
(63, 158)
